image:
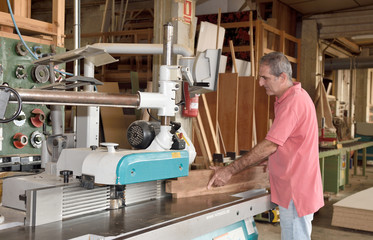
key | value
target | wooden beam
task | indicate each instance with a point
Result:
(359, 17)
(351, 46)
(22, 8)
(346, 30)
(26, 38)
(58, 19)
(28, 24)
(233, 54)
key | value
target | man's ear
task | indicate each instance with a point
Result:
(283, 77)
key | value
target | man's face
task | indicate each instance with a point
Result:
(270, 82)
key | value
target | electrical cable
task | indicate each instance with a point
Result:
(19, 100)
(18, 32)
(156, 119)
(66, 73)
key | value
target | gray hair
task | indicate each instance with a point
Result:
(278, 63)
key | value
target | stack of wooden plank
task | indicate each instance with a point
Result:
(355, 211)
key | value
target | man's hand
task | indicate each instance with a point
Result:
(221, 177)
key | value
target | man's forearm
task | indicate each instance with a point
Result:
(259, 152)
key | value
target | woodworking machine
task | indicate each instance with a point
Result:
(102, 192)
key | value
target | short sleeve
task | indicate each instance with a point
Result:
(283, 125)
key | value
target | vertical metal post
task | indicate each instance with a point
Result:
(364, 160)
(56, 111)
(88, 118)
(168, 37)
(355, 161)
(76, 34)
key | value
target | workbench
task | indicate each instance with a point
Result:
(165, 218)
(335, 164)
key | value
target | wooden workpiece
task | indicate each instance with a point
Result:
(196, 183)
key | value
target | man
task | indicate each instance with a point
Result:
(292, 147)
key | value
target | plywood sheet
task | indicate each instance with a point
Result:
(261, 112)
(245, 112)
(207, 36)
(243, 68)
(227, 109)
(355, 211)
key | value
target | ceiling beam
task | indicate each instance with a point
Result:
(345, 30)
(351, 46)
(346, 24)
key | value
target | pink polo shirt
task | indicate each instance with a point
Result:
(294, 168)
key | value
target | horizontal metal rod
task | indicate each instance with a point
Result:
(50, 97)
(142, 48)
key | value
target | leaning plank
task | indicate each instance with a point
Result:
(201, 145)
(195, 184)
(227, 109)
(245, 112)
(262, 105)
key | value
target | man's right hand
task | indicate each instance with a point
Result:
(221, 176)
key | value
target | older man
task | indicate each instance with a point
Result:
(292, 147)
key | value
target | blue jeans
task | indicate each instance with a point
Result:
(294, 227)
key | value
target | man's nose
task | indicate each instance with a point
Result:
(261, 82)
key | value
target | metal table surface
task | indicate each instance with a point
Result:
(158, 219)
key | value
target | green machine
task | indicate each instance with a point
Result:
(21, 139)
(333, 167)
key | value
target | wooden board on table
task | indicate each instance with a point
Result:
(196, 183)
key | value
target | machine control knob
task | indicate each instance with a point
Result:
(20, 140)
(38, 117)
(93, 147)
(66, 174)
(21, 49)
(110, 146)
(21, 72)
(40, 74)
(36, 139)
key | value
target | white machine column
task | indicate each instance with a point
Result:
(88, 118)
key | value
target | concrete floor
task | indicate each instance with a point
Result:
(322, 228)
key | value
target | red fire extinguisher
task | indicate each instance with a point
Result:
(191, 103)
